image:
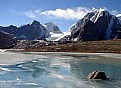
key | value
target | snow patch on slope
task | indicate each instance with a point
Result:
(65, 34)
(98, 13)
(54, 36)
(119, 17)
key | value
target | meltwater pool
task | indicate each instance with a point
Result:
(58, 70)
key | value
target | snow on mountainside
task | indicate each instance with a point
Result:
(119, 17)
(65, 36)
(33, 31)
(97, 13)
(54, 31)
(54, 36)
(98, 24)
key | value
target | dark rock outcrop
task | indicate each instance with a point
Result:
(97, 75)
(7, 41)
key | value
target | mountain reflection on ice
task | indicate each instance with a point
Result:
(64, 71)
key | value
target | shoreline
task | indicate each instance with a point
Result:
(34, 50)
(107, 54)
(107, 46)
(52, 51)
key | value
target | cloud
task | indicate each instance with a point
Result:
(32, 14)
(69, 13)
(114, 12)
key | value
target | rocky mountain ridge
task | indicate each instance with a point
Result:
(98, 24)
(31, 31)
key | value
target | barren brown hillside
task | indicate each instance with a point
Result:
(109, 46)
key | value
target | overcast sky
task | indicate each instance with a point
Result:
(64, 13)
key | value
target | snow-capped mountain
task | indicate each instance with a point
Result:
(98, 24)
(52, 28)
(31, 31)
(54, 31)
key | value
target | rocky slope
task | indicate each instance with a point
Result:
(98, 24)
(7, 41)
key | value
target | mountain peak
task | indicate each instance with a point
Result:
(35, 23)
(50, 24)
(51, 27)
(98, 10)
(98, 24)
(12, 26)
(95, 14)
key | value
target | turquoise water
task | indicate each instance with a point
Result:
(58, 71)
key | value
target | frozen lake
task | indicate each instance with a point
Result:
(58, 70)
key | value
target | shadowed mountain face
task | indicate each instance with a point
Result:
(34, 31)
(98, 24)
(51, 27)
(6, 41)
(28, 32)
